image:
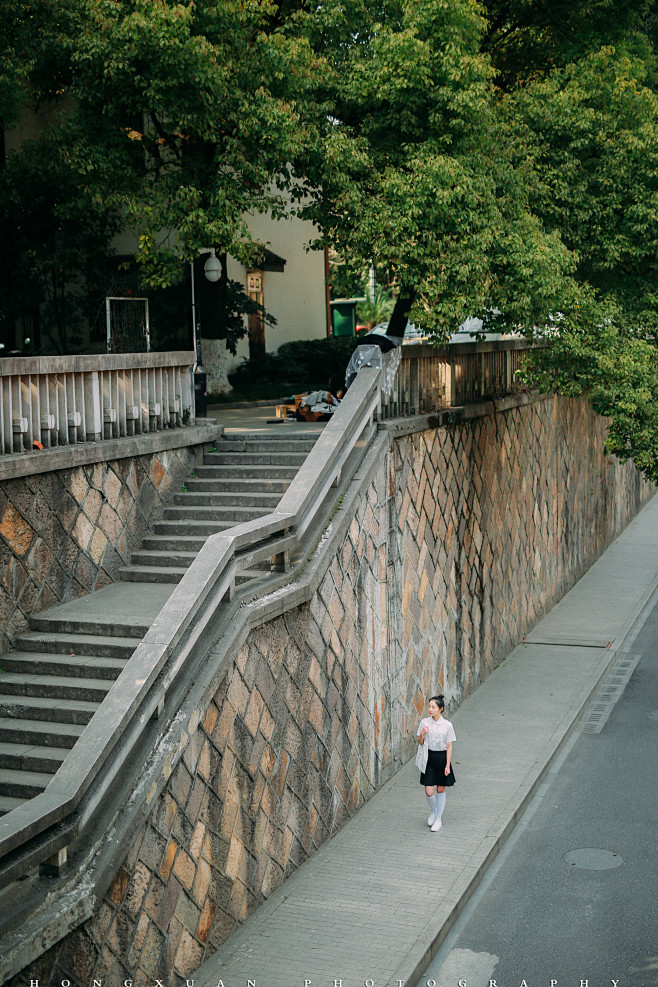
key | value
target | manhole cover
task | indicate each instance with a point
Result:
(593, 858)
(654, 714)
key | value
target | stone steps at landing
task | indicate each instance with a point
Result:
(242, 480)
(60, 670)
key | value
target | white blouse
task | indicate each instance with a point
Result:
(440, 734)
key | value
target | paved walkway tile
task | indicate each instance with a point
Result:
(373, 901)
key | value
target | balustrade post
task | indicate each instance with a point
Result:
(154, 400)
(281, 561)
(74, 416)
(56, 865)
(46, 420)
(18, 422)
(187, 388)
(7, 416)
(31, 410)
(3, 415)
(62, 410)
(448, 382)
(92, 407)
(413, 387)
(144, 401)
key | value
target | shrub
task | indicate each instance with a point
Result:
(303, 365)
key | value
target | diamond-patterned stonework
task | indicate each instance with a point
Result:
(462, 539)
(67, 532)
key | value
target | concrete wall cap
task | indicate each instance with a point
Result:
(16, 465)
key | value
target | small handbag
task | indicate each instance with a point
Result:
(421, 756)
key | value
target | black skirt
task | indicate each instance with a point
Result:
(434, 773)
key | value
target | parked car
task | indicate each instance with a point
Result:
(414, 334)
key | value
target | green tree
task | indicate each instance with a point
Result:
(55, 231)
(528, 39)
(615, 369)
(183, 118)
(201, 113)
(591, 133)
(418, 174)
(587, 134)
(490, 159)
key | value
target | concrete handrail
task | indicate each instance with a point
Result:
(45, 825)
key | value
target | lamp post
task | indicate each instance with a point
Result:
(212, 270)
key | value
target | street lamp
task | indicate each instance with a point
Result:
(212, 270)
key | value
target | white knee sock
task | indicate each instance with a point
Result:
(432, 803)
(440, 804)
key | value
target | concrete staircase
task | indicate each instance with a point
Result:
(244, 479)
(50, 687)
(61, 670)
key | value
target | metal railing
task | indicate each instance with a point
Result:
(60, 401)
(430, 379)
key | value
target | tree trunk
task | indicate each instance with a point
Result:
(215, 363)
(398, 321)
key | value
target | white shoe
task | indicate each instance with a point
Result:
(430, 819)
(436, 826)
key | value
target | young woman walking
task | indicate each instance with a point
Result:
(438, 774)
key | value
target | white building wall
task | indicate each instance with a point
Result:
(295, 298)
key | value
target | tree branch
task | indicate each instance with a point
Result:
(398, 321)
(165, 136)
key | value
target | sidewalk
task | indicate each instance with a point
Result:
(375, 902)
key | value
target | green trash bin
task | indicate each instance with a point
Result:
(343, 316)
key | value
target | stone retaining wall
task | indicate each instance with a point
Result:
(65, 533)
(461, 540)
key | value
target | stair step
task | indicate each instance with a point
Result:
(152, 574)
(235, 514)
(50, 622)
(53, 687)
(80, 666)
(181, 544)
(68, 711)
(28, 757)
(42, 733)
(231, 485)
(7, 804)
(255, 458)
(274, 444)
(78, 644)
(238, 473)
(171, 557)
(229, 498)
(186, 528)
(22, 784)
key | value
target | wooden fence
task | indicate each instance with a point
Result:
(430, 379)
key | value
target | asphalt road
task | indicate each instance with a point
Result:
(546, 911)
